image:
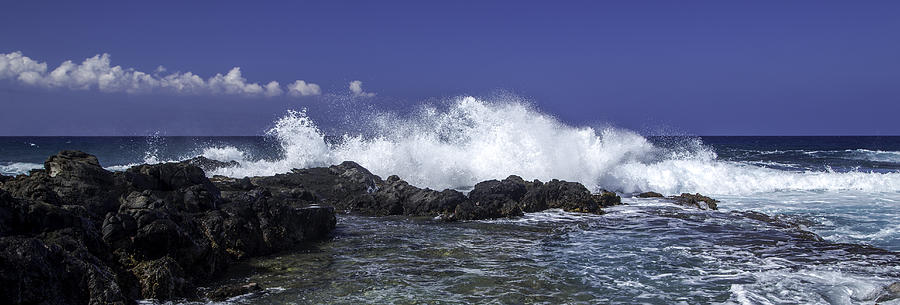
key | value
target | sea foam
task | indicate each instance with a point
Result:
(17, 168)
(471, 140)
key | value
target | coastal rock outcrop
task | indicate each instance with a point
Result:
(685, 199)
(4, 179)
(208, 165)
(74, 233)
(352, 189)
(397, 197)
(695, 200)
(70, 178)
(649, 195)
(53, 254)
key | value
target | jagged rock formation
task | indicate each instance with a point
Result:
(74, 233)
(351, 188)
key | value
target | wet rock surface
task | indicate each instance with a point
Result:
(791, 225)
(207, 164)
(890, 292)
(351, 188)
(695, 200)
(74, 233)
(649, 195)
(685, 199)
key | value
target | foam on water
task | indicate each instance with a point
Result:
(17, 168)
(848, 216)
(473, 140)
(874, 155)
(786, 286)
(225, 153)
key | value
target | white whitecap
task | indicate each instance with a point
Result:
(473, 140)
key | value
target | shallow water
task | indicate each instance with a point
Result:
(645, 252)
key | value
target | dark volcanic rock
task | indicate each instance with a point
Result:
(70, 178)
(685, 199)
(168, 177)
(353, 189)
(649, 195)
(207, 164)
(257, 223)
(608, 199)
(493, 199)
(556, 194)
(75, 233)
(512, 188)
(397, 197)
(52, 255)
(54, 269)
(695, 200)
(341, 185)
(162, 278)
(350, 188)
(175, 213)
(158, 231)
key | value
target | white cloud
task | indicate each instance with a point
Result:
(233, 83)
(273, 89)
(302, 88)
(357, 90)
(98, 72)
(14, 65)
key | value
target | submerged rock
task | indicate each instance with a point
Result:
(891, 292)
(685, 199)
(226, 292)
(794, 227)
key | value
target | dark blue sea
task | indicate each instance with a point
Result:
(845, 189)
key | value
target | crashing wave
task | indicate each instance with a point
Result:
(473, 140)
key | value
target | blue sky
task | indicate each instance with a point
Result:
(684, 67)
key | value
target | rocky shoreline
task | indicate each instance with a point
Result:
(75, 233)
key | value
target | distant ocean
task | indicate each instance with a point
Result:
(846, 189)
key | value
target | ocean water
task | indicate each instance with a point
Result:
(846, 189)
